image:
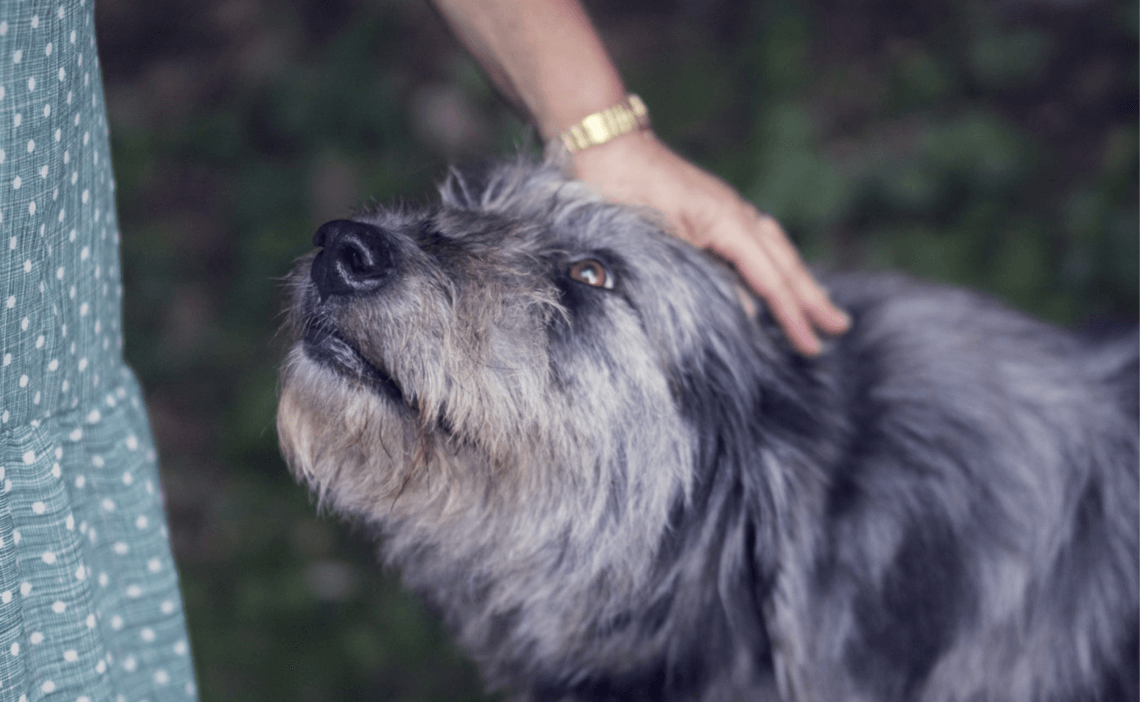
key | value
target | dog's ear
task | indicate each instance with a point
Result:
(467, 183)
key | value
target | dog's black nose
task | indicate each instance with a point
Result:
(357, 258)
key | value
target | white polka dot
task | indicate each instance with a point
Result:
(24, 381)
(15, 649)
(6, 596)
(147, 634)
(40, 341)
(81, 573)
(36, 638)
(101, 667)
(121, 548)
(56, 470)
(76, 434)
(48, 49)
(47, 687)
(17, 56)
(11, 301)
(128, 478)
(90, 621)
(32, 142)
(29, 457)
(83, 698)
(154, 565)
(167, 607)
(80, 481)
(142, 522)
(53, 364)
(134, 592)
(132, 442)
(69, 522)
(130, 663)
(71, 655)
(103, 580)
(7, 359)
(48, 557)
(59, 607)
(92, 417)
(108, 504)
(39, 507)
(161, 677)
(116, 622)
(96, 461)
(35, 21)
(25, 589)
(181, 648)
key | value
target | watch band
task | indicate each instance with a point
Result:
(628, 115)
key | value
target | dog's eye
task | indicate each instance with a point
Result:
(592, 273)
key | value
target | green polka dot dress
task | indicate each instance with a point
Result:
(89, 603)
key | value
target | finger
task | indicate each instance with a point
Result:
(760, 272)
(811, 297)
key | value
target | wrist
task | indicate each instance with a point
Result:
(627, 146)
(559, 113)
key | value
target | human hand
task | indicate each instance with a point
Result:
(705, 211)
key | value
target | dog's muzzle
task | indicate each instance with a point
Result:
(357, 259)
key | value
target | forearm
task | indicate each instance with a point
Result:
(544, 56)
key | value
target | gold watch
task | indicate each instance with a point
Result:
(628, 115)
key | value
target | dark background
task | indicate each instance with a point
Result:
(991, 144)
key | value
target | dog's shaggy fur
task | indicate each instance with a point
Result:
(591, 449)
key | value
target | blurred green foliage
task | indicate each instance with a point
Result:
(992, 145)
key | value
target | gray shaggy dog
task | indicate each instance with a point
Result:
(592, 451)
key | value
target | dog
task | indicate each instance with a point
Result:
(591, 450)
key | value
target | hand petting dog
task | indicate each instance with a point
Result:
(548, 61)
(705, 211)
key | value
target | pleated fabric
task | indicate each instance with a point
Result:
(89, 602)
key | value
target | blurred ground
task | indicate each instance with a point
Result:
(991, 144)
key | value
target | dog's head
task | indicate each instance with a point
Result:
(504, 375)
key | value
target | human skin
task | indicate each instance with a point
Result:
(545, 57)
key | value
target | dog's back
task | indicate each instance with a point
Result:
(982, 515)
